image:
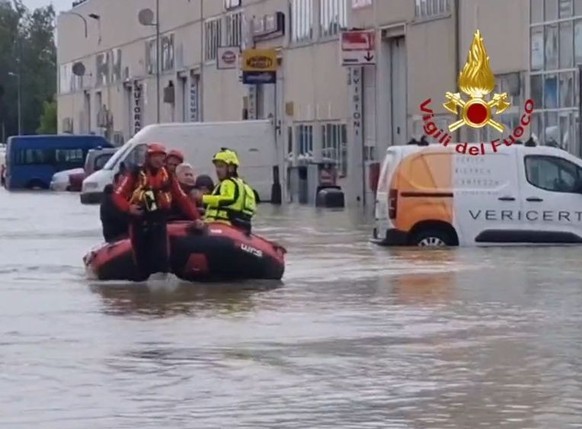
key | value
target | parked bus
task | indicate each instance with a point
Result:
(31, 161)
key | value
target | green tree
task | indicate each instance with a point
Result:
(48, 119)
(27, 50)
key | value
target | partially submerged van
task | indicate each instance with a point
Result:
(254, 142)
(435, 196)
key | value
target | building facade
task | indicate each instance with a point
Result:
(556, 53)
(350, 114)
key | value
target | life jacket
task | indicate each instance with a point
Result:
(249, 201)
(227, 214)
(153, 192)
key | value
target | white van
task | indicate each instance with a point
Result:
(254, 142)
(521, 194)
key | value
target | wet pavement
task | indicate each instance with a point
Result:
(356, 336)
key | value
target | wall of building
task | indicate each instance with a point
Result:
(416, 59)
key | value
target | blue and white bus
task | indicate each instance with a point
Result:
(31, 161)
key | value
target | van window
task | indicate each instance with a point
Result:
(551, 173)
(136, 156)
(101, 160)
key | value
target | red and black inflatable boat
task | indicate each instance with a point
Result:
(221, 252)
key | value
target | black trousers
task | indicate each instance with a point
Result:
(150, 244)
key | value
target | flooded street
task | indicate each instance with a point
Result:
(356, 337)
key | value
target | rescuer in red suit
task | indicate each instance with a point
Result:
(147, 195)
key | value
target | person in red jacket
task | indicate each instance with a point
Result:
(147, 195)
(174, 158)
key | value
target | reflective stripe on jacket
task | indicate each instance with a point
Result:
(153, 186)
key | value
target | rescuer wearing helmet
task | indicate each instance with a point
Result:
(250, 201)
(229, 202)
(147, 195)
(174, 158)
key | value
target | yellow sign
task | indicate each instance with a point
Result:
(259, 60)
(477, 81)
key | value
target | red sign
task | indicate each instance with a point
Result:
(363, 40)
(229, 57)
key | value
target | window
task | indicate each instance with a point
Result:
(304, 136)
(566, 45)
(551, 10)
(70, 156)
(510, 83)
(136, 156)
(430, 8)
(212, 38)
(565, 9)
(34, 156)
(537, 48)
(233, 23)
(100, 161)
(333, 17)
(551, 47)
(537, 11)
(552, 174)
(231, 4)
(301, 20)
(335, 146)
(167, 52)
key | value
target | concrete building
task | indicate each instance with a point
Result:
(420, 45)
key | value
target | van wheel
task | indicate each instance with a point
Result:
(432, 238)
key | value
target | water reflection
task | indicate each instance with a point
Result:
(423, 289)
(181, 298)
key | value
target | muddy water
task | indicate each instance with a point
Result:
(356, 337)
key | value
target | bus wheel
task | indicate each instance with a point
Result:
(36, 184)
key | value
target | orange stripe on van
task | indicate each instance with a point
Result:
(424, 181)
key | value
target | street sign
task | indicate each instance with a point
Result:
(259, 66)
(358, 47)
(226, 57)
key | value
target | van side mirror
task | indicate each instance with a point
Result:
(122, 167)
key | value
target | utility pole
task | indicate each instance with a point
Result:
(158, 61)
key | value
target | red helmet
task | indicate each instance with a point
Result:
(156, 149)
(176, 154)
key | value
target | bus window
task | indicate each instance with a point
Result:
(33, 156)
(70, 156)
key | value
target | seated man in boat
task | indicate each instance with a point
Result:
(203, 186)
(147, 195)
(115, 222)
(174, 158)
(185, 176)
(230, 201)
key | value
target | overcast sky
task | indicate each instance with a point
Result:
(59, 5)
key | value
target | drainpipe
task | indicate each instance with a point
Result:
(457, 32)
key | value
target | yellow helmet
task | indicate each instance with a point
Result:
(233, 158)
(227, 156)
(222, 156)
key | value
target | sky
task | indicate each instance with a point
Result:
(60, 5)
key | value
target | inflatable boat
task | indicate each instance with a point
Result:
(221, 252)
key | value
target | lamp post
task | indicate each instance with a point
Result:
(19, 101)
(78, 15)
(146, 17)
